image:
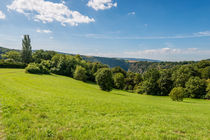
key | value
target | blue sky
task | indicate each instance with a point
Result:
(156, 29)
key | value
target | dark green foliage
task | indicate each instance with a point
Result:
(203, 64)
(118, 70)
(150, 85)
(14, 56)
(177, 94)
(182, 75)
(78, 57)
(37, 68)
(46, 64)
(207, 96)
(205, 72)
(33, 68)
(104, 79)
(92, 68)
(119, 80)
(138, 78)
(165, 82)
(6, 64)
(40, 55)
(129, 81)
(143, 66)
(196, 87)
(63, 65)
(26, 53)
(80, 73)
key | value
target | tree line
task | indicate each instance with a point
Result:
(188, 80)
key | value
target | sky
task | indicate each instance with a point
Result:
(167, 30)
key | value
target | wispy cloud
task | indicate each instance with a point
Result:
(164, 54)
(47, 11)
(101, 4)
(104, 36)
(2, 15)
(43, 31)
(131, 13)
(170, 54)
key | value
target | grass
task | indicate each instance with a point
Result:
(58, 107)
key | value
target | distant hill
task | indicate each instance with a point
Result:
(137, 65)
(142, 66)
(140, 59)
(4, 50)
(112, 62)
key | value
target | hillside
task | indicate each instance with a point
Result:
(143, 66)
(111, 62)
(135, 65)
(58, 107)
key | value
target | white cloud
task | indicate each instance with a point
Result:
(47, 11)
(132, 13)
(104, 36)
(2, 15)
(101, 4)
(170, 54)
(164, 54)
(43, 31)
(205, 33)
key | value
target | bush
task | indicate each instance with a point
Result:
(80, 74)
(196, 87)
(119, 80)
(104, 79)
(33, 68)
(208, 92)
(7, 64)
(37, 69)
(177, 94)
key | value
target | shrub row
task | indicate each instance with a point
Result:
(4, 64)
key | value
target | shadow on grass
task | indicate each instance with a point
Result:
(119, 94)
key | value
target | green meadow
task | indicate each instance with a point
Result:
(59, 107)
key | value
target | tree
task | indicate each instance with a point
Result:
(129, 81)
(26, 49)
(165, 82)
(138, 78)
(177, 94)
(205, 72)
(104, 79)
(119, 80)
(40, 55)
(118, 70)
(80, 73)
(149, 85)
(182, 75)
(196, 87)
(12, 55)
(203, 64)
(63, 64)
(208, 92)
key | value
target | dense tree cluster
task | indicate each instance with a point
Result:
(177, 80)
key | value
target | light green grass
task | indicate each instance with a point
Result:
(58, 107)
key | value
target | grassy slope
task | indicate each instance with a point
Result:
(57, 107)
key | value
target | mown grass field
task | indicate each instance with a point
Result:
(58, 107)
